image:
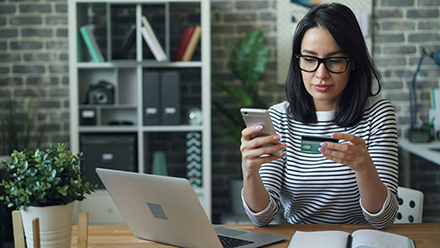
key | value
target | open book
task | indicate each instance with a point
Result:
(365, 238)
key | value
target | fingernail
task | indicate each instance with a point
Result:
(276, 137)
(322, 150)
(335, 135)
(324, 144)
(258, 127)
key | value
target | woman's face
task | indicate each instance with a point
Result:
(325, 87)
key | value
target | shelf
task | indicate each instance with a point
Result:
(138, 1)
(108, 106)
(179, 128)
(125, 74)
(132, 63)
(105, 129)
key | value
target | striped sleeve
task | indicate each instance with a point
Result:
(265, 216)
(383, 148)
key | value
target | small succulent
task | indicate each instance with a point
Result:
(39, 178)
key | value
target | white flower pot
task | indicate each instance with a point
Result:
(55, 225)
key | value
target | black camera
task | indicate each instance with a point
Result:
(101, 93)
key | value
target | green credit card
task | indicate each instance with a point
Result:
(313, 143)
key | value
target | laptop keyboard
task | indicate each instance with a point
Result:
(229, 242)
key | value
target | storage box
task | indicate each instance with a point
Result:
(112, 151)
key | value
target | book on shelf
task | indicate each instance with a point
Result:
(152, 40)
(91, 43)
(127, 42)
(184, 43)
(189, 51)
(79, 55)
(434, 95)
(156, 52)
(363, 238)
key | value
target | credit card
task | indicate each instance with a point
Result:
(313, 143)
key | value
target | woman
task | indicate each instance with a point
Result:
(329, 92)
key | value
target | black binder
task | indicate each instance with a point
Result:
(151, 100)
(170, 85)
(127, 43)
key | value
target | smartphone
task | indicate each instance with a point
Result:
(253, 116)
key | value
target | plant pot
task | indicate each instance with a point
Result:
(55, 225)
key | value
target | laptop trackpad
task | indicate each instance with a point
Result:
(228, 231)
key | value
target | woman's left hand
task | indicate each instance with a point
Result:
(353, 153)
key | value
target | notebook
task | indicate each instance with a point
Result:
(167, 210)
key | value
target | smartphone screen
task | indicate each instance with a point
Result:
(253, 116)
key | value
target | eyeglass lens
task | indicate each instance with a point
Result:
(310, 64)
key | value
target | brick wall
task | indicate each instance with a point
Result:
(34, 62)
(400, 30)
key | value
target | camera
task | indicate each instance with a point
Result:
(101, 93)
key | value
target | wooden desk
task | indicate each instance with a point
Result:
(426, 235)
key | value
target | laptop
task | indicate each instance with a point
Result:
(166, 210)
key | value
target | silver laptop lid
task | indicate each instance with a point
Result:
(161, 209)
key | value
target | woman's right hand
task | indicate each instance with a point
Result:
(253, 153)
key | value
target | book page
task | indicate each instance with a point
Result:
(319, 239)
(378, 239)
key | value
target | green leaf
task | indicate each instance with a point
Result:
(232, 138)
(240, 96)
(249, 58)
(232, 120)
(32, 171)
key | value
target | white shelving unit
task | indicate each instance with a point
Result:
(127, 75)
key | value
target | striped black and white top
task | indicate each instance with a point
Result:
(313, 189)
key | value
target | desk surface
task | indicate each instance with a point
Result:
(424, 150)
(426, 235)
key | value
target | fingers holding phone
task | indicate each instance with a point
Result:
(260, 133)
(259, 150)
(254, 140)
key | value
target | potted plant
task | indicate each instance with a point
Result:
(248, 62)
(19, 129)
(46, 185)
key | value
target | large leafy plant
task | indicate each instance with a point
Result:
(248, 61)
(48, 178)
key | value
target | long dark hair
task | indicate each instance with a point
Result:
(340, 21)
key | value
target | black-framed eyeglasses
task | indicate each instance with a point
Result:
(333, 64)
